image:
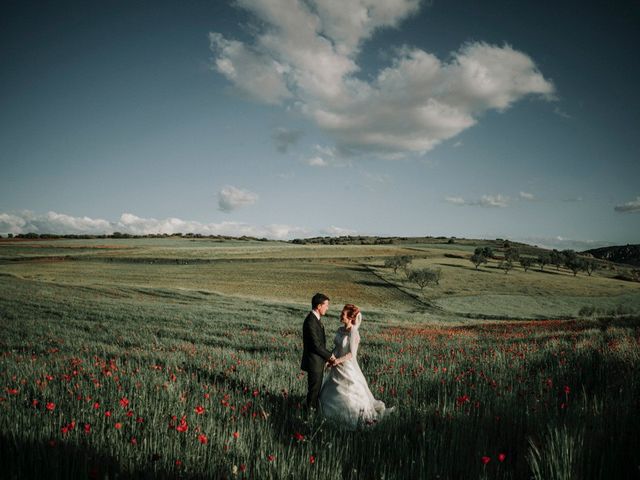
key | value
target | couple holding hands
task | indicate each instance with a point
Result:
(343, 394)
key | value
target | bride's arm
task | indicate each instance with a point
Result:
(354, 340)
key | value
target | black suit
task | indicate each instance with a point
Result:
(314, 356)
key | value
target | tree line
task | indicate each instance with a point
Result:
(565, 258)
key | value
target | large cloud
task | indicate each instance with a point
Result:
(231, 198)
(630, 207)
(305, 56)
(61, 224)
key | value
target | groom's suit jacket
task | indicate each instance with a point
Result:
(314, 353)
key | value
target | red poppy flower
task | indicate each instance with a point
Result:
(183, 426)
(107, 413)
(312, 459)
(236, 435)
(485, 460)
(502, 457)
(96, 406)
(202, 438)
(133, 441)
(12, 391)
(87, 428)
(118, 425)
(298, 436)
(51, 406)
(567, 390)
(271, 458)
(199, 409)
(124, 402)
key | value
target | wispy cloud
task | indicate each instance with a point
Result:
(317, 162)
(489, 201)
(562, 243)
(527, 196)
(231, 198)
(561, 113)
(61, 224)
(285, 138)
(630, 207)
(305, 54)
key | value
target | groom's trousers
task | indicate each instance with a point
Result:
(314, 380)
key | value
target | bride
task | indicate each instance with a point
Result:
(345, 395)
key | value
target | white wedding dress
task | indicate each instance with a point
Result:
(345, 395)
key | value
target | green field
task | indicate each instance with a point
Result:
(193, 347)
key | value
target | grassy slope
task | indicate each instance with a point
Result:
(291, 273)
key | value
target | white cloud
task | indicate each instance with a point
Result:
(333, 231)
(317, 162)
(456, 200)
(231, 198)
(51, 222)
(61, 224)
(305, 55)
(630, 207)
(489, 201)
(527, 196)
(561, 243)
(494, 201)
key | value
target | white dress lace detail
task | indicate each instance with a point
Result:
(345, 394)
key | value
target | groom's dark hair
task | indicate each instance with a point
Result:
(318, 299)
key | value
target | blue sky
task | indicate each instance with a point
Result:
(291, 118)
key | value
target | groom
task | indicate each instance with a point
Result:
(315, 353)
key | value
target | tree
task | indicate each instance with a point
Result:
(555, 258)
(543, 260)
(526, 263)
(575, 264)
(506, 265)
(590, 266)
(478, 259)
(398, 261)
(487, 252)
(424, 276)
(511, 254)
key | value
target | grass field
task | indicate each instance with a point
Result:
(178, 358)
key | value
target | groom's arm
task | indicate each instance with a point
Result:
(313, 333)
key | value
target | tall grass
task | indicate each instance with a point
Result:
(208, 386)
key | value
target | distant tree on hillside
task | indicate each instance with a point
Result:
(511, 254)
(556, 258)
(506, 265)
(398, 261)
(526, 262)
(477, 259)
(575, 264)
(543, 260)
(487, 252)
(424, 276)
(590, 266)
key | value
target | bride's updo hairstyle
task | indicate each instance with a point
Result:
(350, 312)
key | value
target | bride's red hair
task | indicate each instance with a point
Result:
(350, 311)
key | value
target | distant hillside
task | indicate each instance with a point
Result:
(629, 254)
